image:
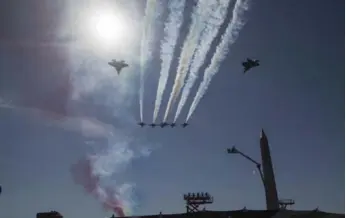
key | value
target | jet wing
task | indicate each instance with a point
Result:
(246, 68)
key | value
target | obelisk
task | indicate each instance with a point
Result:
(268, 174)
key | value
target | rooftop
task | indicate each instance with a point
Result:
(253, 214)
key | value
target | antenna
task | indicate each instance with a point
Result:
(194, 200)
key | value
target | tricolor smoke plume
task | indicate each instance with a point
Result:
(171, 33)
(227, 39)
(84, 175)
(96, 174)
(146, 48)
(94, 85)
(113, 148)
(91, 171)
(199, 15)
(209, 33)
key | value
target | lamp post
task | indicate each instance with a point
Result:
(234, 150)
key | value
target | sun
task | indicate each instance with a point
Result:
(107, 27)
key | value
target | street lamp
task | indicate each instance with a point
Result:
(234, 150)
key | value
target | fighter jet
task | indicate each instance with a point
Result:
(163, 124)
(118, 65)
(172, 125)
(184, 125)
(141, 124)
(250, 63)
(153, 125)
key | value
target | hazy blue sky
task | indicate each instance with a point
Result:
(49, 60)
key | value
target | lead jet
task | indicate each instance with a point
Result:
(184, 125)
(163, 124)
(250, 63)
(118, 65)
(141, 124)
(172, 125)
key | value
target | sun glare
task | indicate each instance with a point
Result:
(108, 28)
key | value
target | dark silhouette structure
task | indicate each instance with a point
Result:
(51, 214)
(242, 213)
(234, 150)
(284, 203)
(268, 174)
(194, 200)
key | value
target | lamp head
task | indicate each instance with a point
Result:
(232, 150)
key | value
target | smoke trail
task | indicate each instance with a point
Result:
(83, 174)
(198, 18)
(171, 30)
(146, 51)
(208, 34)
(116, 148)
(227, 39)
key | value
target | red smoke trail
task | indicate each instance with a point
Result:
(83, 175)
(112, 203)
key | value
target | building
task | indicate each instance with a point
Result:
(51, 214)
(250, 214)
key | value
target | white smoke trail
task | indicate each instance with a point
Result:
(171, 31)
(198, 18)
(227, 39)
(146, 52)
(209, 33)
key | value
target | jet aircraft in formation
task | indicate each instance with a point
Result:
(184, 125)
(162, 125)
(141, 124)
(118, 65)
(250, 63)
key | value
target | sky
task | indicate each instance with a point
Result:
(62, 103)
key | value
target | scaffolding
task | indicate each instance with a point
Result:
(194, 200)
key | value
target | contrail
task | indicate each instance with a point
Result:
(146, 51)
(209, 33)
(197, 25)
(171, 31)
(227, 39)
